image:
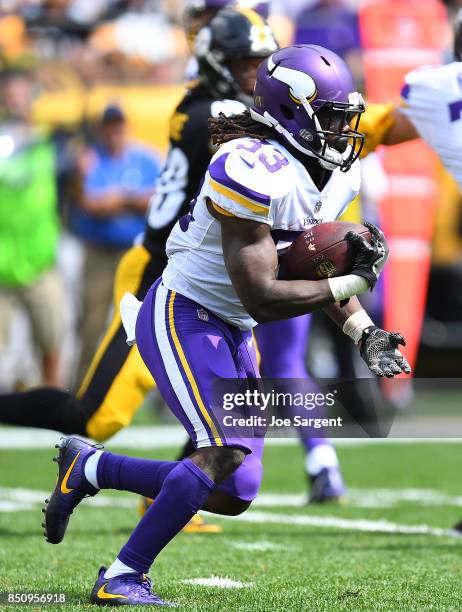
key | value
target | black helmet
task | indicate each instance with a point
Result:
(233, 34)
(198, 13)
(458, 37)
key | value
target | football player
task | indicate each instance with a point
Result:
(117, 379)
(195, 323)
(431, 96)
(431, 109)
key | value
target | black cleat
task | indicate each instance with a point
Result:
(71, 487)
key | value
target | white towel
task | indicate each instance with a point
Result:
(129, 308)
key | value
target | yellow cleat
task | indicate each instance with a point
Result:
(198, 525)
(195, 525)
(144, 504)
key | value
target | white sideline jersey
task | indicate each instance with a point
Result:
(432, 98)
(256, 180)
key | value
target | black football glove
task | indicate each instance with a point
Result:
(379, 349)
(369, 258)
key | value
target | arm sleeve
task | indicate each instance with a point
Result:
(420, 95)
(424, 102)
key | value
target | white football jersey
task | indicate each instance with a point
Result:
(251, 179)
(432, 98)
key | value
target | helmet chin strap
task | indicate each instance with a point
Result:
(333, 159)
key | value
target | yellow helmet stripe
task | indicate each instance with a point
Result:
(254, 18)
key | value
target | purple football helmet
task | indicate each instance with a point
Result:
(306, 94)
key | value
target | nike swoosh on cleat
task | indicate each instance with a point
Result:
(103, 595)
(64, 488)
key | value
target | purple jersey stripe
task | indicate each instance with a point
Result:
(197, 380)
(183, 373)
(191, 431)
(218, 173)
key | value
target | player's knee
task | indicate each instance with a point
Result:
(220, 502)
(231, 458)
(218, 462)
(236, 507)
(231, 508)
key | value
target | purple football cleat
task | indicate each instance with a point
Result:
(71, 487)
(327, 486)
(125, 590)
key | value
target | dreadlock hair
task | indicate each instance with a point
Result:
(223, 129)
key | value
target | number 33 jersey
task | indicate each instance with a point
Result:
(256, 180)
(432, 100)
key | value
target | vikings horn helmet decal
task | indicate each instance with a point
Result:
(306, 94)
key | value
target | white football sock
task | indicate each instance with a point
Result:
(322, 456)
(117, 569)
(90, 468)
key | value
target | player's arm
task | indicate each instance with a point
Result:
(251, 260)
(341, 314)
(385, 124)
(401, 130)
(378, 348)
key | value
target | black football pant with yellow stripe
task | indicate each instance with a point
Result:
(117, 380)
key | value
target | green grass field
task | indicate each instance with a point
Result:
(389, 548)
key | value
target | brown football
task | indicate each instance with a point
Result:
(321, 252)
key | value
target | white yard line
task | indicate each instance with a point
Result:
(257, 546)
(29, 499)
(15, 500)
(359, 498)
(368, 498)
(217, 581)
(166, 436)
(334, 522)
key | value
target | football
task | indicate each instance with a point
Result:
(320, 252)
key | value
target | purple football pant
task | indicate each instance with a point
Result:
(282, 346)
(186, 349)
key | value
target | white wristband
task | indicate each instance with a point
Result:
(344, 287)
(355, 325)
